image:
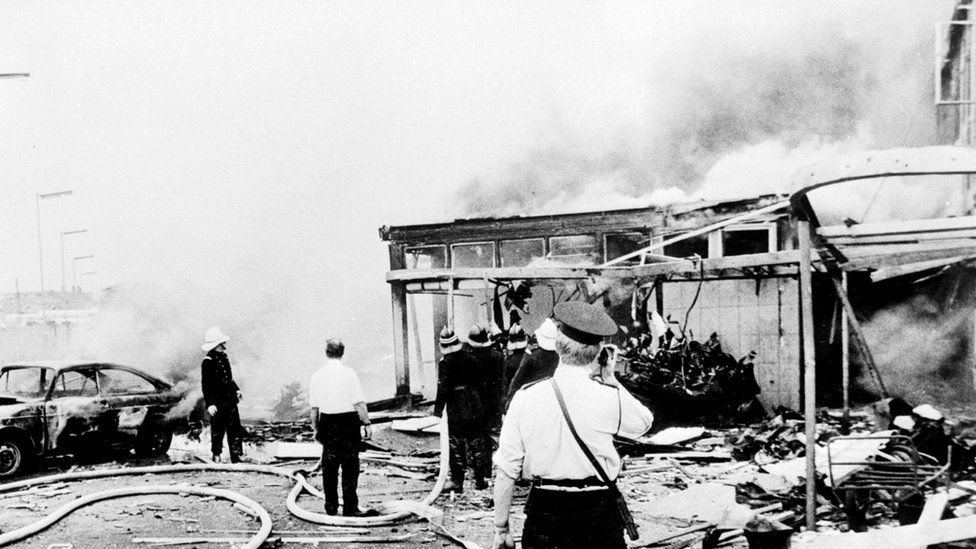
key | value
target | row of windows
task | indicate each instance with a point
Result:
(585, 249)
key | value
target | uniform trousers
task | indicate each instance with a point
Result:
(469, 446)
(341, 439)
(557, 519)
(226, 420)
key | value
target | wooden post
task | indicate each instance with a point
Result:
(415, 327)
(809, 371)
(401, 347)
(845, 361)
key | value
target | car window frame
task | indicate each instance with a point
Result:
(51, 392)
(44, 392)
(154, 388)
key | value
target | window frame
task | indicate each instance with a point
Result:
(494, 253)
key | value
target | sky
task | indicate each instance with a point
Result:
(232, 161)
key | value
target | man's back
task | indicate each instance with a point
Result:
(334, 388)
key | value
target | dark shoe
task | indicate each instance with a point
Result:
(352, 512)
(456, 487)
(331, 512)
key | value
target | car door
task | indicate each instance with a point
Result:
(75, 412)
(129, 398)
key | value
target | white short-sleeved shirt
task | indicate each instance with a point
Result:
(334, 388)
(536, 442)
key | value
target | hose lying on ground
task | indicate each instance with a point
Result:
(397, 510)
(66, 509)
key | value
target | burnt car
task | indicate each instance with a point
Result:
(81, 408)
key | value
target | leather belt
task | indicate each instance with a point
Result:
(588, 482)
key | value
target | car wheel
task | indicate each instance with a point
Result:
(154, 441)
(14, 457)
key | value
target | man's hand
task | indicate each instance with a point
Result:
(240, 397)
(503, 539)
(212, 410)
(367, 432)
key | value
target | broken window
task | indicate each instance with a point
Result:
(425, 257)
(576, 250)
(619, 244)
(695, 245)
(26, 382)
(519, 253)
(120, 382)
(746, 240)
(473, 255)
(75, 383)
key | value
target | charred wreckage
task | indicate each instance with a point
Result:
(746, 326)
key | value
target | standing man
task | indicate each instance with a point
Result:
(457, 389)
(221, 395)
(491, 371)
(569, 505)
(338, 412)
(540, 363)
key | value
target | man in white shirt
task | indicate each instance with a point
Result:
(338, 412)
(569, 506)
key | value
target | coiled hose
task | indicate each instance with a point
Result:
(396, 510)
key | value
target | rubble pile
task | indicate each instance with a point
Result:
(686, 381)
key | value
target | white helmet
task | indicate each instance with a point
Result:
(213, 338)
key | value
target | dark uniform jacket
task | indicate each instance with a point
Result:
(491, 371)
(512, 363)
(217, 380)
(538, 364)
(457, 388)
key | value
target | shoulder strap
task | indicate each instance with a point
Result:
(572, 429)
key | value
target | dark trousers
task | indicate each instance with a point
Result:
(227, 420)
(572, 520)
(340, 438)
(469, 446)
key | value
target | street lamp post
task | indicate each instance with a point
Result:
(74, 270)
(63, 234)
(40, 252)
(88, 274)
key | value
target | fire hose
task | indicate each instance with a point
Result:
(395, 511)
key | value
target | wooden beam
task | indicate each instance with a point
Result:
(401, 347)
(845, 361)
(683, 266)
(884, 256)
(915, 227)
(859, 340)
(809, 371)
(911, 268)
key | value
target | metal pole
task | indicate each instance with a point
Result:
(809, 371)
(40, 253)
(63, 233)
(62, 265)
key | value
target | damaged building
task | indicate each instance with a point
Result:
(730, 268)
